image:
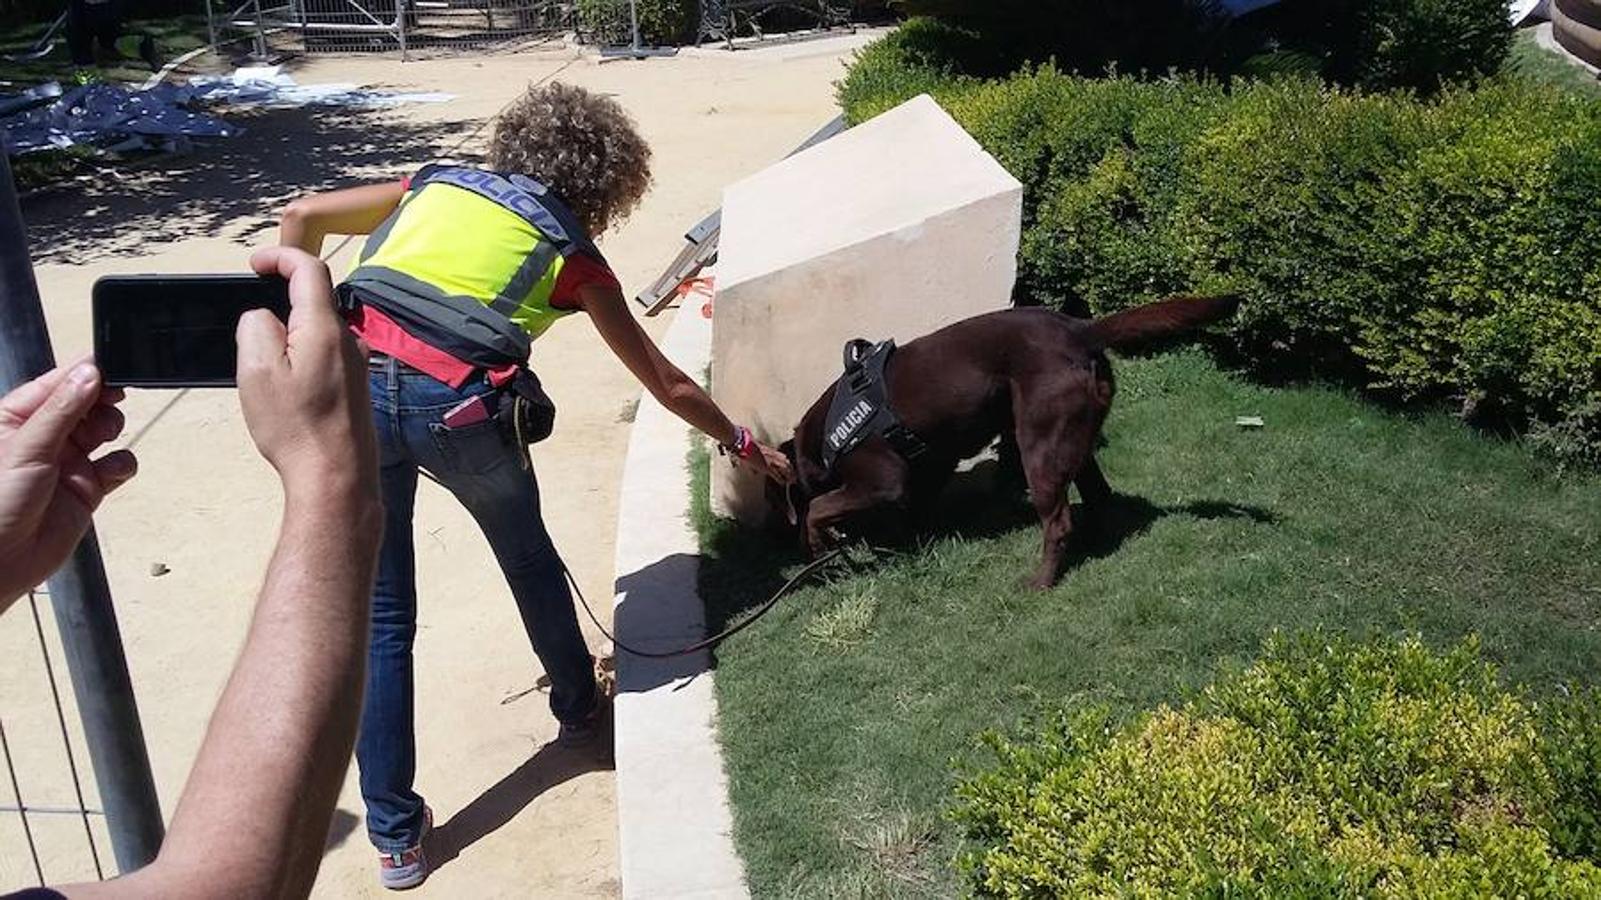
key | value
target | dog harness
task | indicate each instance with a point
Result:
(861, 409)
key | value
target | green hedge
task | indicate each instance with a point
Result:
(1443, 250)
(1327, 769)
(921, 56)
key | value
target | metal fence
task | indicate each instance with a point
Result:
(410, 27)
(90, 642)
(59, 835)
(406, 27)
(724, 20)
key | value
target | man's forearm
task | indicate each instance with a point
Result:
(253, 818)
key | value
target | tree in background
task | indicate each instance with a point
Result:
(1419, 44)
(1375, 44)
(1086, 36)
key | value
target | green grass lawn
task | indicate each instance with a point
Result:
(843, 712)
(1532, 62)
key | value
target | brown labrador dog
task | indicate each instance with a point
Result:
(1038, 379)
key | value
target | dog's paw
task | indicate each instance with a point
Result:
(820, 541)
(1039, 584)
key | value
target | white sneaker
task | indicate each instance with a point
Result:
(407, 868)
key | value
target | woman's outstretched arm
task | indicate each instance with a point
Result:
(679, 393)
(307, 221)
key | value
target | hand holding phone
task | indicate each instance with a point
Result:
(303, 386)
(177, 331)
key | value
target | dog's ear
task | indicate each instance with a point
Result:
(794, 494)
(791, 508)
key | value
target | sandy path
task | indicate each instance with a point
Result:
(512, 821)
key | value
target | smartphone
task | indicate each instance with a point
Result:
(176, 331)
(471, 411)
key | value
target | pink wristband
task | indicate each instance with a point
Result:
(744, 442)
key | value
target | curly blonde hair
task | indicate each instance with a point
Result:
(582, 146)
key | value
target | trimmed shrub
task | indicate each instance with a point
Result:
(1112, 174)
(1439, 251)
(1328, 768)
(1427, 251)
(1426, 44)
(660, 21)
(923, 56)
(1282, 202)
(1571, 748)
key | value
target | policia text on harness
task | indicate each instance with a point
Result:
(861, 409)
(480, 289)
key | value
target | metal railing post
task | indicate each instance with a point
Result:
(400, 26)
(261, 33)
(79, 591)
(637, 49)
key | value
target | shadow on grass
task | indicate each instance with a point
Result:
(743, 568)
(1103, 532)
(230, 187)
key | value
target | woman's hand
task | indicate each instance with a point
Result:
(769, 463)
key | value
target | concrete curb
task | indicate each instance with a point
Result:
(673, 819)
(1545, 36)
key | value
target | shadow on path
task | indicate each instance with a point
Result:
(551, 766)
(344, 824)
(231, 188)
(660, 612)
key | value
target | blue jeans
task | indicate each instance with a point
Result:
(479, 464)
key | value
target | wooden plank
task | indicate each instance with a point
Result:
(700, 250)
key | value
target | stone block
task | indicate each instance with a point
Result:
(893, 229)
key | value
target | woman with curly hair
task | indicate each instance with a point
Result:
(463, 268)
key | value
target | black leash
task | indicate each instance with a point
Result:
(721, 636)
(810, 568)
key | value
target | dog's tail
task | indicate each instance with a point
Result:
(1134, 328)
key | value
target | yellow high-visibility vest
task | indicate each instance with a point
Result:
(467, 240)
